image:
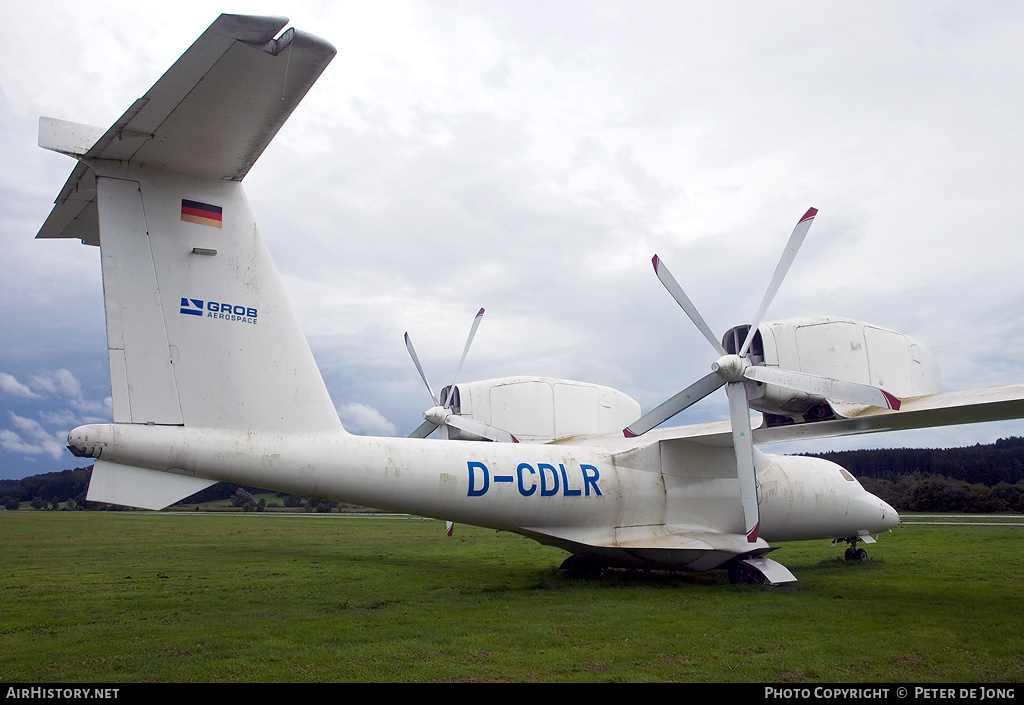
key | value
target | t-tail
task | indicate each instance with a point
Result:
(199, 330)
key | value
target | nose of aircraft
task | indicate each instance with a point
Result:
(890, 517)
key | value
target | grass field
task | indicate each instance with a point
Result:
(140, 597)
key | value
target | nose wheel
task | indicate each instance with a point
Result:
(854, 554)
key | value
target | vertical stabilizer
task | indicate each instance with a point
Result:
(199, 330)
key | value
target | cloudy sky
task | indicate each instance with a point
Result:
(530, 158)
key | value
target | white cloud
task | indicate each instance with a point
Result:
(364, 420)
(56, 401)
(59, 417)
(58, 383)
(10, 385)
(33, 440)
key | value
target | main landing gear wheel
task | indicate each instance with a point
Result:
(582, 567)
(742, 574)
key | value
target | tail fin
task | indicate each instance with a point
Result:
(199, 329)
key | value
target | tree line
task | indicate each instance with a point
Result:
(67, 490)
(992, 464)
(974, 479)
(981, 478)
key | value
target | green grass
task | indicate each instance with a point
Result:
(139, 597)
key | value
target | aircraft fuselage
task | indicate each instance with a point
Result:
(583, 499)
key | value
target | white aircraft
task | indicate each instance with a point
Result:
(212, 379)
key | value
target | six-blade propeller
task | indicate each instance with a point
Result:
(441, 413)
(736, 371)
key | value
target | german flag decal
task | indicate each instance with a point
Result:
(201, 213)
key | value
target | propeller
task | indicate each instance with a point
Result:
(441, 413)
(736, 371)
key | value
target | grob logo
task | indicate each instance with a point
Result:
(216, 309)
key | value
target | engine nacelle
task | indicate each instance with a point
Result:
(839, 348)
(540, 409)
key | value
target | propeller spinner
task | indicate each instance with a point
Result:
(441, 414)
(736, 371)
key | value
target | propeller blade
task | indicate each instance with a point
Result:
(743, 445)
(684, 302)
(827, 387)
(666, 410)
(788, 255)
(441, 416)
(419, 367)
(423, 430)
(478, 428)
(465, 351)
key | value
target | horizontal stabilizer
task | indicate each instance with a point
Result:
(71, 138)
(129, 486)
(211, 115)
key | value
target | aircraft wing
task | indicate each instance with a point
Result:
(210, 115)
(948, 409)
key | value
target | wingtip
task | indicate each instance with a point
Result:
(752, 534)
(893, 401)
(811, 212)
(629, 434)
